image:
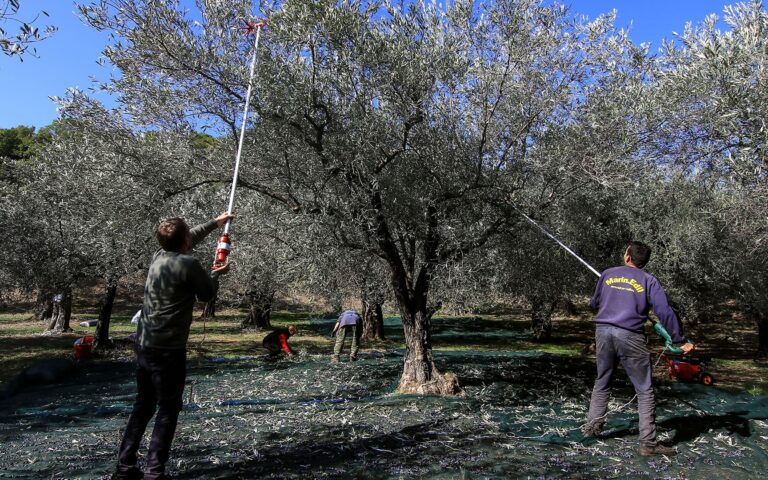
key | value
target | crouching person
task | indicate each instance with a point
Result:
(349, 323)
(277, 341)
(174, 280)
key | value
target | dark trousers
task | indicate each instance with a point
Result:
(160, 380)
(273, 348)
(614, 345)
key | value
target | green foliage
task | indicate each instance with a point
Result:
(203, 141)
(20, 43)
(17, 143)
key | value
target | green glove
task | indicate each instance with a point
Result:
(667, 339)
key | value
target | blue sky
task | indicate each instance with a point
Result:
(68, 59)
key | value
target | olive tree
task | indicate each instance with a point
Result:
(347, 278)
(87, 203)
(265, 260)
(111, 208)
(712, 109)
(39, 238)
(403, 130)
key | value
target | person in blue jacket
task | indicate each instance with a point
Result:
(623, 297)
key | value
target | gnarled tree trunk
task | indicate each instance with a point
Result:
(259, 310)
(105, 315)
(541, 317)
(420, 375)
(373, 321)
(44, 305)
(411, 288)
(61, 312)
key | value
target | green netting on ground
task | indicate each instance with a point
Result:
(304, 417)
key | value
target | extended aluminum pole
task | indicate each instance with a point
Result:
(565, 247)
(251, 26)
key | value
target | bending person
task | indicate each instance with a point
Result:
(174, 280)
(349, 323)
(277, 341)
(623, 297)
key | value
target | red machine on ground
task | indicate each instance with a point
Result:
(683, 368)
(687, 370)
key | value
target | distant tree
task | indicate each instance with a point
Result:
(19, 43)
(372, 275)
(265, 260)
(16, 143)
(84, 210)
(350, 279)
(712, 111)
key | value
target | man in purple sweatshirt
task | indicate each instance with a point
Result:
(623, 298)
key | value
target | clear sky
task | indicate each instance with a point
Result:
(68, 59)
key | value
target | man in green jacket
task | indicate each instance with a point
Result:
(175, 279)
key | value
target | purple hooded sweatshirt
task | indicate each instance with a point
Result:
(623, 297)
(349, 317)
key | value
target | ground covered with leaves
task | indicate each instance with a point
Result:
(247, 416)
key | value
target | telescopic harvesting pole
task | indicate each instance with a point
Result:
(251, 26)
(565, 247)
(223, 245)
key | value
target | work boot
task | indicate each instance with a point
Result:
(658, 449)
(132, 473)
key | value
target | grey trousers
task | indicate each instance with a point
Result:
(616, 345)
(341, 335)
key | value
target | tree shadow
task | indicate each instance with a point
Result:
(541, 373)
(333, 455)
(690, 427)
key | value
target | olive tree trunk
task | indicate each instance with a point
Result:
(541, 317)
(44, 305)
(762, 335)
(61, 312)
(105, 315)
(373, 321)
(259, 310)
(420, 375)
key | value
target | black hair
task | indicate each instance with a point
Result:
(639, 252)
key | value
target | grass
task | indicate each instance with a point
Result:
(758, 390)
